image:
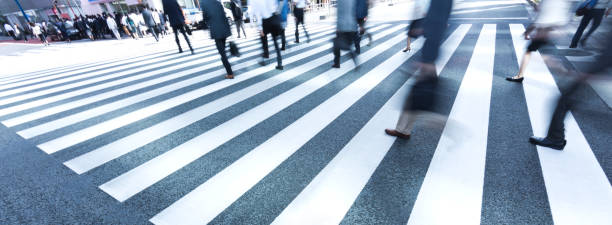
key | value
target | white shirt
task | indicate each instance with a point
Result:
(36, 30)
(124, 21)
(262, 9)
(300, 3)
(111, 23)
(135, 18)
(553, 13)
(8, 27)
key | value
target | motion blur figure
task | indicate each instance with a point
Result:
(423, 94)
(594, 14)
(552, 15)
(219, 29)
(569, 100)
(177, 21)
(268, 22)
(236, 8)
(346, 31)
(415, 30)
(298, 13)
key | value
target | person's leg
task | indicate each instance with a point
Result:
(154, 32)
(357, 40)
(264, 46)
(597, 15)
(583, 24)
(524, 63)
(406, 122)
(305, 31)
(237, 23)
(283, 41)
(279, 58)
(221, 49)
(297, 23)
(336, 52)
(176, 38)
(182, 29)
(243, 30)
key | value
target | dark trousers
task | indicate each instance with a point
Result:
(435, 23)
(344, 39)
(43, 37)
(269, 28)
(594, 14)
(299, 19)
(283, 39)
(12, 34)
(221, 48)
(154, 32)
(181, 28)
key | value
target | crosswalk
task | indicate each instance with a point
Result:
(94, 116)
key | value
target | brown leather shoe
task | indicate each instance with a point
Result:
(396, 133)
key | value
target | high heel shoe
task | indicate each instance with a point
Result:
(406, 50)
(514, 79)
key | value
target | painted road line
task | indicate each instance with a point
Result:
(244, 173)
(60, 108)
(107, 126)
(329, 196)
(133, 181)
(129, 143)
(453, 184)
(578, 189)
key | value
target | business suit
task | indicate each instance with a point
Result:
(150, 22)
(237, 14)
(177, 21)
(219, 29)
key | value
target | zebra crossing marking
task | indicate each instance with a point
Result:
(131, 142)
(64, 107)
(252, 167)
(578, 189)
(455, 178)
(133, 181)
(331, 193)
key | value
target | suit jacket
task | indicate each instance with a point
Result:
(148, 18)
(216, 19)
(236, 11)
(174, 12)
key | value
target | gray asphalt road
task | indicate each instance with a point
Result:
(131, 163)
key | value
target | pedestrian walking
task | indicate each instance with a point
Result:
(20, 33)
(177, 21)
(147, 16)
(415, 30)
(135, 22)
(162, 22)
(112, 26)
(268, 22)
(284, 12)
(362, 7)
(298, 13)
(125, 26)
(38, 33)
(236, 8)
(552, 15)
(219, 29)
(555, 138)
(423, 94)
(157, 21)
(10, 30)
(346, 31)
(595, 12)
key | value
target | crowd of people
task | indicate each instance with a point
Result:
(136, 24)
(271, 17)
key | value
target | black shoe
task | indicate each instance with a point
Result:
(283, 48)
(519, 80)
(279, 67)
(180, 50)
(336, 66)
(266, 56)
(262, 63)
(192, 52)
(545, 142)
(573, 46)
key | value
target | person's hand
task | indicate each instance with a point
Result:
(261, 33)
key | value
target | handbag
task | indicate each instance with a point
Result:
(585, 6)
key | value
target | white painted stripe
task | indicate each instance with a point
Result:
(332, 192)
(578, 189)
(454, 180)
(108, 68)
(134, 181)
(60, 108)
(129, 143)
(107, 126)
(255, 165)
(489, 18)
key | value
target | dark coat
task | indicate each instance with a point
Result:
(236, 11)
(362, 8)
(174, 12)
(148, 18)
(216, 19)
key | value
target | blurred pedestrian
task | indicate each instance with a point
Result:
(125, 25)
(298, 13)
(157, 21)
(284, 12)
(162, 22)
(147, 16)
(595, 14)
(423, 94)
(219, 28)
(236, 8)
(415, 29)
(552, 14)
(135, 22)
(20, 33)
(555, 138)
(112, 26)
(346, 31)
(38, 33)
(268, 22)
(362, 7)
(177, 21)
(9, 29)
